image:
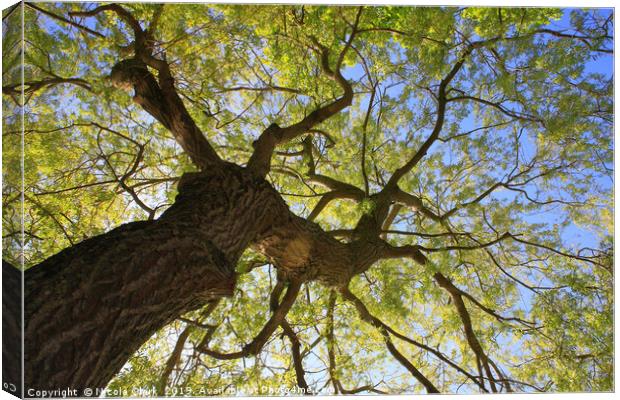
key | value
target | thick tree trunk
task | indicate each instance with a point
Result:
(88, 308)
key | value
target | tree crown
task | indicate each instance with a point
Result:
(476, 138)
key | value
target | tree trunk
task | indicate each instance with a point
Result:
(91, 306)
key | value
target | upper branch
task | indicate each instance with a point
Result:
(65, 20)
(119, 10)
(264, 146)
(339, 189)
(416, 204)
(159, 98)
(442, 100)
(585, 39)
(31, 87)
(497, 105)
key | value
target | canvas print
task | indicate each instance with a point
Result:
(242, 199)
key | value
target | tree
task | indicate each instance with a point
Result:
(339, 199)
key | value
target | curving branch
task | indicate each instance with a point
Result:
(342, 188)
(491, 312)
(331, 344)
(339, 189)
(30, 87)
(122, 180)
(124, 14)
(515, 115)
(470, 335)
(65, 20)
(415, 204)
(389, 220)
(587, 40)
(173, 361)
(366, 316)
(484, 362)
(264, 146)
(323, 202)
(590, 260)
(459, 247)
(442, 101)
(274, 302)
(255, 346)
(416, 252)
(433, 351)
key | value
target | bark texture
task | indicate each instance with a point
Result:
(91, 306)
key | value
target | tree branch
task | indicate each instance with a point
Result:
(470, 335)
(255, 346)
(160, 99)
(441, 112)
(172, 361)
(264, 146)
(415, 204)
(499, 107)
(389, 220)
(584, 39)
(31, 87)
(119, 10)
(339, 190)
(331, 344)
(65, 20)
(366, 316)
(297, 358)
(345, 190)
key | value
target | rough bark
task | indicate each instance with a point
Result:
(88, 308)
(160, 99)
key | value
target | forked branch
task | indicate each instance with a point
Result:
(264, 146)
(442, 100)
(158, 97)
(366, 316)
